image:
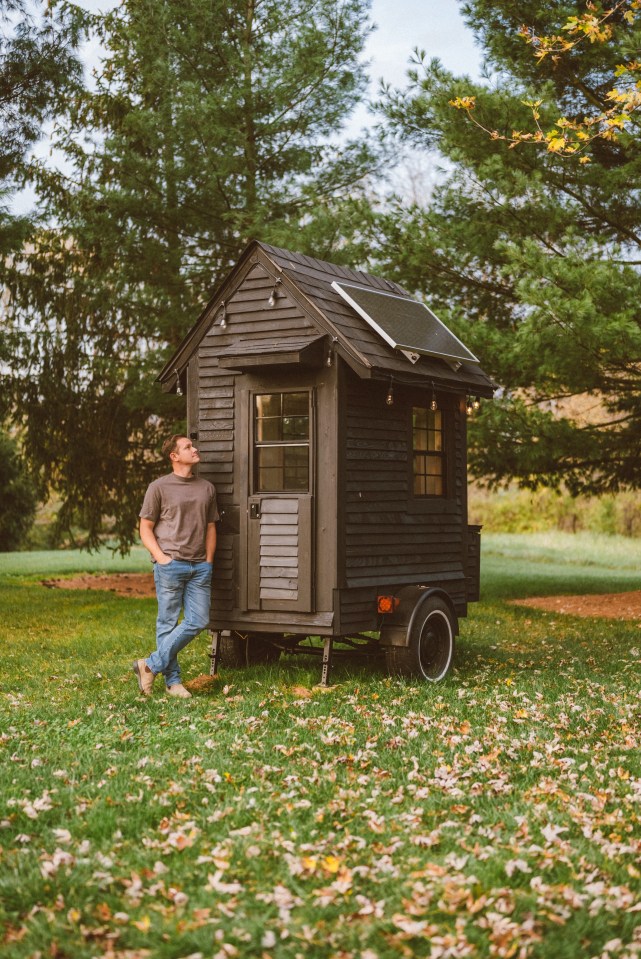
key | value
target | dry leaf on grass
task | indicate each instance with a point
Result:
(201, 683)
(301, 692)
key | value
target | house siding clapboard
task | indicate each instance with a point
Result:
(388, 536)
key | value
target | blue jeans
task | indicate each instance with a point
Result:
(179, 585)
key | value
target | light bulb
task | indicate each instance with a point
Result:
(272, 295)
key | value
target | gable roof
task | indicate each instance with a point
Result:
(309, 281)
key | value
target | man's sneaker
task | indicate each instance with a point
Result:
(178, 690)
(144, 675)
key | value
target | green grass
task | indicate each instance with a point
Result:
(44, 563)
(553, 563)
(494, 815)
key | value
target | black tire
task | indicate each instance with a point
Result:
(430, 652)
(239, 650)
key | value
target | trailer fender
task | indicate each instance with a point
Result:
(396, 628)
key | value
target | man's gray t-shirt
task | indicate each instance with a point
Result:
(180, 508)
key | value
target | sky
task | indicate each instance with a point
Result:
(435, 26)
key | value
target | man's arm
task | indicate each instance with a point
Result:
(210, 542)
(149, 541)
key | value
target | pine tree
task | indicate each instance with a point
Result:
(208, 123)
(532, 252)
(38, 70)
(19, 498)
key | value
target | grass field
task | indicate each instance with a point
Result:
(497, 814)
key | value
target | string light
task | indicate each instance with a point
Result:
(330, 352)
(433, 404)
(178, 386)
(223, 319)
(273, 294)
(476, 403)
(389, 399)
(469, 407)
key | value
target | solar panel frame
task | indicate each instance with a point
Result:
(397, 329)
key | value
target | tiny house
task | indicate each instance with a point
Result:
(330, 411)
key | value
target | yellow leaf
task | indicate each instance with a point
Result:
(618, 96)
(143, 924)
(619, 121)
(331, 864)
(463, 103)
(556, 144)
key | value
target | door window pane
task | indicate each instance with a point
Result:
(281, 442)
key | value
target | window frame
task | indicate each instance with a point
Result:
(279, 444)
(428, 455)
(447, 500)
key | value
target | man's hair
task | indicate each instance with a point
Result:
(171, 445)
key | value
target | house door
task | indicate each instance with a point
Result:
(279, 526)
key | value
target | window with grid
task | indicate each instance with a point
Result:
(428, 453)
(281, 442)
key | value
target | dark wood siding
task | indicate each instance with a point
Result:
(389, 537)
(216, 446)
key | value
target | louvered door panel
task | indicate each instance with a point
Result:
(280, 552)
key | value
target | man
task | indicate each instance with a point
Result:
(178, 527)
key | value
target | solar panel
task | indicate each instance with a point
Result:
(405, 324)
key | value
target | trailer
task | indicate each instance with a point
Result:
(330, 409)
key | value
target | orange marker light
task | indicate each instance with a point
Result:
(388, 604)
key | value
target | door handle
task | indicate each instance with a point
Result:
(254, 510)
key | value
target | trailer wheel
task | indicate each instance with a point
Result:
(430, 650)
(238, 650)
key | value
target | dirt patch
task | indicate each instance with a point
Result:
(605, 605)
(138, 585)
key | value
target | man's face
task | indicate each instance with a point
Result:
(185, 453)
